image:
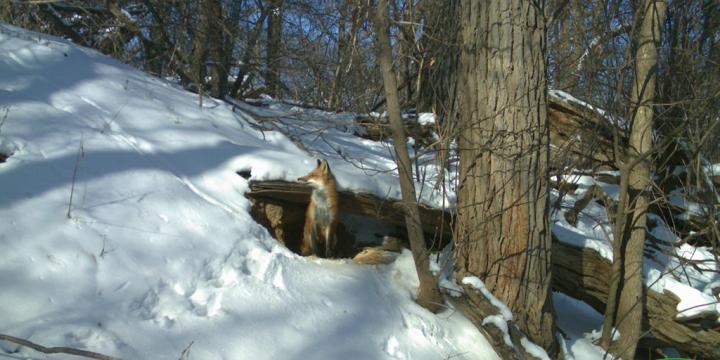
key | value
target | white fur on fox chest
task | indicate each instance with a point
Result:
(322, 214)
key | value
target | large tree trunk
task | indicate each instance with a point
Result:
(627, 317)
(428, 295)
(272, 50)
(503, 234)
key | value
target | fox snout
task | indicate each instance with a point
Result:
(318, 175)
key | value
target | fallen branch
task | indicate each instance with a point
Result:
(56, 349)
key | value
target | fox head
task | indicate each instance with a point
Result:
(320, 176)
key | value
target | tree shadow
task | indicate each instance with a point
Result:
(27, 180)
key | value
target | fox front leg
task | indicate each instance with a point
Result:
(314, 241)
(330, 242)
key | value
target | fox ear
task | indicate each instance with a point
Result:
(326, 165)
(319, 162)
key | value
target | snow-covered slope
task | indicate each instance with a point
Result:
(156, 250)
(159, 250)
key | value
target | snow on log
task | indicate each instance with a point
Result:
(580, 135)
(584, 274)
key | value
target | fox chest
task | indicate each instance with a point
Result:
(321, 212)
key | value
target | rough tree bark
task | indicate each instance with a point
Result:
(627, 277)
(428, 295)
(503, 231)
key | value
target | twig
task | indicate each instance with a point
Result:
(80, 154)
(56, 349)
(5, 116)
(186, 353)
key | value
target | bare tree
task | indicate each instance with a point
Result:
(627, 282)
(272, 50)
(428, 295)
(246, 63)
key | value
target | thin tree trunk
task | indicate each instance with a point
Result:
(237, 87)
(199, 51)
(619, 232)
(428, 295)
(231, 36)
(503, 231)
(181, 43)
(7, 11)
(406, 44)
(215, 40)
(156, 59)
(629, 313)
(272, 54)
(343, 55)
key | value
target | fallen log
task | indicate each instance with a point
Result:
(435, 222)
(583, 274)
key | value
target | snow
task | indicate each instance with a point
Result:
(593, 230)
(692, 209)
(501, 323)
(533, 349)
(478, 284)
(160, 251)
(425, 119)
(664, 268)
(569, 98)
(499, 320)
(713, 170)
(580, 327)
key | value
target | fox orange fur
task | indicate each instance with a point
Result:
(321, 218)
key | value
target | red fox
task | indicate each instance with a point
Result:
(321, 218)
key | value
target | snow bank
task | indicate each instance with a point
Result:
(159, 250)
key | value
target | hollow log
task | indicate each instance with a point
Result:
(436, 223)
